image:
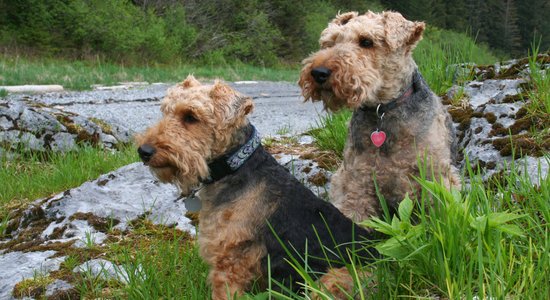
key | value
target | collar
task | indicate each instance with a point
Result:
(233, 160)
(406, 95)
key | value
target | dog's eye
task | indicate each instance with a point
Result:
(189, 119)
(366, 43)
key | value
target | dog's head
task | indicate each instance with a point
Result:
(199, 124)
(363, 59)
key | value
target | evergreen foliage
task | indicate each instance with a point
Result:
(508, 26)
(258, 32)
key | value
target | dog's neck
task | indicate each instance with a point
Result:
(413, 87)
(229, 162)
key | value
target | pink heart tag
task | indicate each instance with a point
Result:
(378, 138)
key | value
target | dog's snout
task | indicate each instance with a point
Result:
(146, 152)
(320, 74)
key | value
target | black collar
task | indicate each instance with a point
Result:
(231, 161)
(404, 97)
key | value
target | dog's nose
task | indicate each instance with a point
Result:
(145, 152)
(320, 74)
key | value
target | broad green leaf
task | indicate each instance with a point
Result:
(405, 209)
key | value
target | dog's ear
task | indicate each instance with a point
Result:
(221, 90)
(190, 81)
(401, 32)
(343, 19)
(246, 105)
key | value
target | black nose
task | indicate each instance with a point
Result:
(146, 152)
(320, 74)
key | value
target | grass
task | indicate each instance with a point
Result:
(331, 131)
(539, 93)
(486, 241)
(80, 75)
(36, 175)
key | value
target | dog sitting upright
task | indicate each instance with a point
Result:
(204, 138)
(365, 63)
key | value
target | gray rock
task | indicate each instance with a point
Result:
(308, 172)
(124, 195)
(17, 266)
(5, 123)
(487, 98)
(101, 268)
(24, 125)
(56, 287)
(481, 92)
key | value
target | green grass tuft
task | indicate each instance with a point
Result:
(331, 132)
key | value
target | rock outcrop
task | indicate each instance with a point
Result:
(494, 123)
(25, 125)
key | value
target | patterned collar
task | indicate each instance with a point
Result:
(232, 161)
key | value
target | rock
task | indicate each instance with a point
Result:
(308, 172)
(491, 122)
(101, 268)
(32, 88)
(27, 126)
(58, 287)
(83, 216)
(17, 266)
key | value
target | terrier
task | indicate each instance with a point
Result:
(252, 209)
(365, 63)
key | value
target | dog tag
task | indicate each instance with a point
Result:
(378, 138)
(193, 204)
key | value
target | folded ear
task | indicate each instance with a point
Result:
(246, 105)
(342, 19)
(190, 81)
(401, 32)
(220, 90)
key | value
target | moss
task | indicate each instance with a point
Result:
(194, 217)
(318, 179)
(513, 98)
(58, 232)
(32, 287)
(145, 228)
(328, 161)
(98, 223)
(498, 130)
(485, 72)
(82, 136)
(518, 146)
(105, 127)
(490, 117)
(462, 116)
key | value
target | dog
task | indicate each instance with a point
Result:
(254, 213)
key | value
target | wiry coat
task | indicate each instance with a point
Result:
(366, 61)
(202, 124)
(236, 240)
